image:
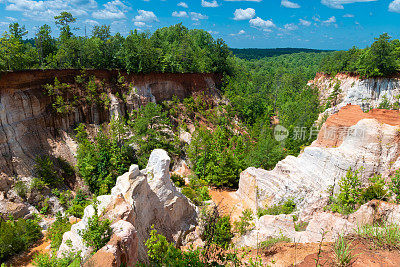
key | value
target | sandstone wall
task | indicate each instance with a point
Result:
(30, 127)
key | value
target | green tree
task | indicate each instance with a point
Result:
(45, 44)
(63, 22)
(17, 31)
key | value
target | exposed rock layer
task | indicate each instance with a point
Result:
(29, 126)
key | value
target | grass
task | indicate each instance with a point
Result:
(287, 207)
(342, 252)
(385, 236)
(300, 227)
(273, 241)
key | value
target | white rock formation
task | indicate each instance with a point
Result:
(141, 198)
(307, 177)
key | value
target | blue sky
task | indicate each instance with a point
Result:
(324, 24)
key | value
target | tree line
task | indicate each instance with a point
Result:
(382, 58)
(171, 49)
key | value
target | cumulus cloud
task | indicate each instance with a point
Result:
(197, 16)
(259, 23)
(244, 14)
(180, 14)
(338, 4)
(330, 20)
(46, 10)
(112, 10)
(183, 4)
(145, 16)
(213, 3)
(348, 16)
(289, 4)
(243, 0)
(394, 6)
(91, 22)
(304, 22)
(291, 27)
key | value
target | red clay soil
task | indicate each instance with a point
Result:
(25, 259)
(348, 116)
(364, 254)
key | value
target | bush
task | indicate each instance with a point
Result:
(244, 224)
(50, 260)
(349, 195)
(17, 235)
(163, 253)
(273, 241)
(46, 172)
(217, 229)
(375, 190)
(57, 229)
(222, 232)
(287, 207)
(394, 185)
(78, 204)
(21, 189)
(196, 191)
(97, 232)
(177, 180)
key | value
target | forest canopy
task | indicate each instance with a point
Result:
(382, 58)
(171, 49)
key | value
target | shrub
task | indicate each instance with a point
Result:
(244, 224)
(57, 229)
(217, 229)
(222, 232)
(287, 207)
(196, 191)
(394, 185)
(17, 236)
(50, 260)
(78, 204)
(97, 232)
(349, 195)
(177, 180)
(163, 253)
(21, 189)
(375, 190)
(46, 171)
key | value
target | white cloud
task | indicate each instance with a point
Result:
(243, 0)
(394, 6)
(338, 4)
(112, 10)
(244, 14)
(46, 10)
(241, 32)
(289, 4)
(348, 16)
(265, 25)
(145, 16)
(213, 3)
(91, 22)
(304, 22)
(139, 24)
(212, 32)
(180, 14)
(330, 20)
(291, 27)
(183, 4)
(197, 16)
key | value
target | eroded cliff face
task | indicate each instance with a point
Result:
(367, 93)
(29, 125)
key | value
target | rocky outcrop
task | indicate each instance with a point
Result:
(306, 178)
(30, 127)
(140, 199)
(368, 93)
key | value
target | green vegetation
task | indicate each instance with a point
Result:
(273, 241)
(97, 233)
(17, 236)
(102, 160)
(382, 236)
(196, 191)
(394, 185)
(287, 207)
(245, 223)
(257, 53)
(57, 229)
(51, 260)
(46, 172)
(169, 49)
(342, 252)
(381, 59)
(351, 193)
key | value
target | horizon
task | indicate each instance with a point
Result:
(323, 25)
